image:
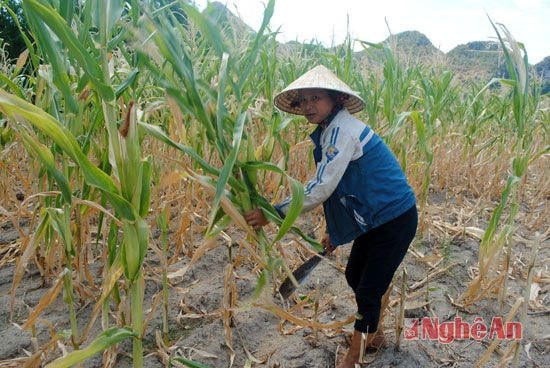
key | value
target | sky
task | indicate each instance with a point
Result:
(447, 23)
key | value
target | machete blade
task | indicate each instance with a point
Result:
(300, 274)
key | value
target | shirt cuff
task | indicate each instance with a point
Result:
(279, 209)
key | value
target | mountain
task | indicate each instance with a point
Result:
(482, 60)
(542, 70)
(477, 61)
(219, 13)
(410, 46)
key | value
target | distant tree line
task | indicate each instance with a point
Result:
(11, 39)
(10, 35)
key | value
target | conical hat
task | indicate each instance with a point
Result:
(318, 77)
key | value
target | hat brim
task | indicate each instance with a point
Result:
(287, 100)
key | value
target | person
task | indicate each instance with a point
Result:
(364, 192)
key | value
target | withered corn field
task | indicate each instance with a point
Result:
(133, 139)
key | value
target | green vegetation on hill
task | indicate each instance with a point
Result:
(478, 60)
(411, 47)
(542, 71)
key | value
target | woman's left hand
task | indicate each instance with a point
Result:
(329, 248)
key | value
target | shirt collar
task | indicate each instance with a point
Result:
(331, 117)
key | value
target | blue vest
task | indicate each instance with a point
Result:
(373, 191)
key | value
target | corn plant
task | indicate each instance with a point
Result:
(224, 130)
(495, 239)
(126, 187)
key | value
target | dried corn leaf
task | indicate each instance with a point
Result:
(4, 212)
(416, 304)
(541, 280)
(208, 244)
(21, 60)
(487, 354)
(29, 246)
(110, 356)
(283, 314)
(432, 276)
(170, 178)
(201, 353)
(249, 355)
(508, 355)
(99, 208)
(46, 300)
(13, 363)
(474, 232)
(109, 282)
(534, 292)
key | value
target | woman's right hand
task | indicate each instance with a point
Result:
(256, 219)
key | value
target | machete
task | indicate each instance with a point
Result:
(300, 274)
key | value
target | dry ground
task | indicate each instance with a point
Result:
(261, 339)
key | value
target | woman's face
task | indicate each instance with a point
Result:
(315, 104)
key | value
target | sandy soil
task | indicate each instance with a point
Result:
(261, 339)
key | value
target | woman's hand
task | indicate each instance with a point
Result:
(329, 248)
(256, 219)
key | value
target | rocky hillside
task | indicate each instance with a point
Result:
(477, 61)
(542, 70)
(409, 46)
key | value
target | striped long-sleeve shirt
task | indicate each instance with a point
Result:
(358, 180)
(342, 141)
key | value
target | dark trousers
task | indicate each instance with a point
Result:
(373, 260)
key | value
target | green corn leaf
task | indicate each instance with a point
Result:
(219, 224)
(145, 197)
(55, 55)
(43, 11)
(23, 32)
(252, 54)
(519, 165)
(296, 203)
(66, 9)
(294, 209)
(207, 27)
(497, 213)
(62, 226)
(157, 133)
(220, 108)
(105, 340)
(15, 108)
(229, 163)
(106, 14)
(47, 159)
(126, 83)
(261, 283)
(134, 10)
(188, 362)
(190, 100)
(12, 86)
